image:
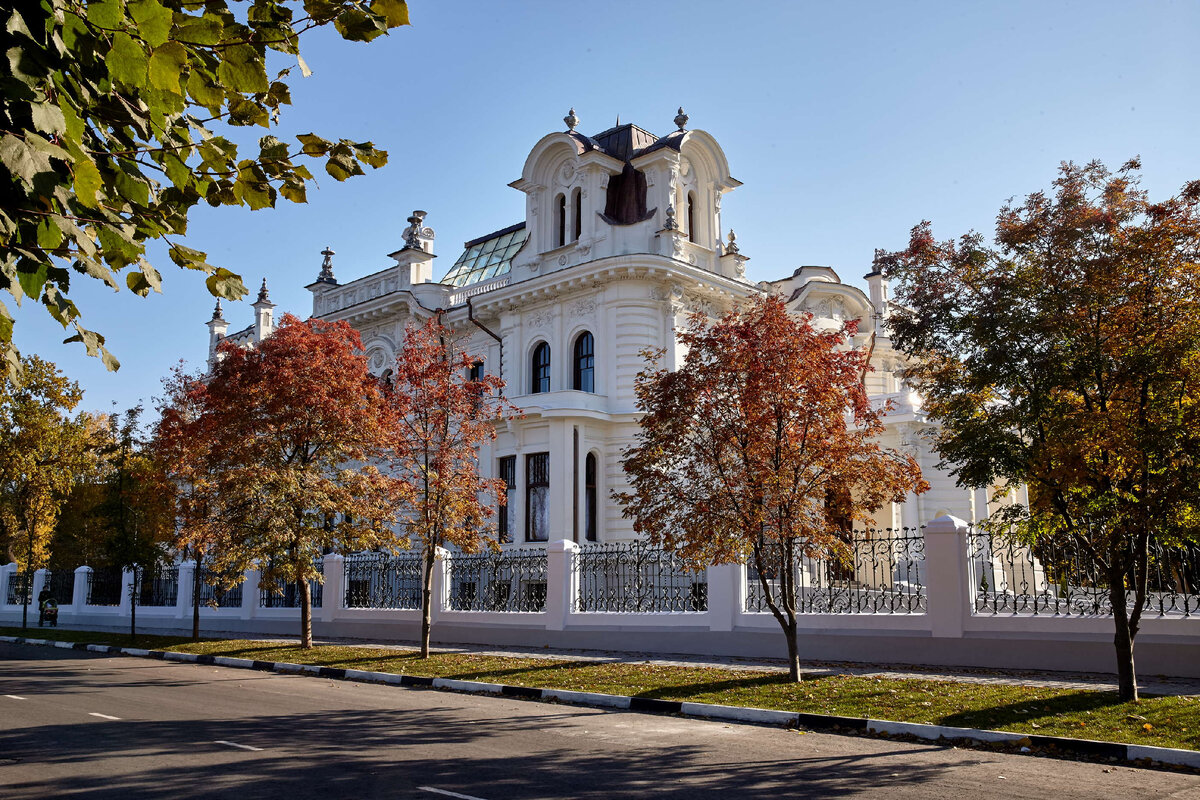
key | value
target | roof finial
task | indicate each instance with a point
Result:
(732, 246)
(618, 119)
(217, 312)
(412, 234)
(262, 293)
(681, 119)
(326, 275)
(571, 120)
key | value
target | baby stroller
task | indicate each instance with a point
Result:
(49, 613)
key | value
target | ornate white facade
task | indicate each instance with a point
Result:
(622, 239)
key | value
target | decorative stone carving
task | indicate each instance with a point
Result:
(584, 307)
(562, 260)
(541, 319)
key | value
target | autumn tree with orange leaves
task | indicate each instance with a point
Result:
(1067, 356)
(292, 429)
(440, 416)
(740, 450)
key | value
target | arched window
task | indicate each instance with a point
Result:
(561, 204)
(591, 525)
(691, 216)
(578, 214)
(541, 369)
(584, 370)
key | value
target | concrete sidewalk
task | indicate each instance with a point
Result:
(1159, 685)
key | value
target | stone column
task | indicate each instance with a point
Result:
(250, 579)
(440, 600)
(946, 576)
(183, 594)
(333, 591)
(6, 575)
(561, 585)
(726, 587)
(79, 592)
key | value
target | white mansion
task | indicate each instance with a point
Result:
(622, 239)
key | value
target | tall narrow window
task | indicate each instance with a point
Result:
(475, 373)
(561, 203)
(508, 474)
(578, 214)
(691, 216)
(584, 371)
(537, 497)
(590, 509)
(541, 369)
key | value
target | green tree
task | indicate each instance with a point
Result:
(41, 448)
(137, 510)
(1067, 357)
(106, 139)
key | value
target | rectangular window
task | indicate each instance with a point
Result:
(537, 497)
(508, 474)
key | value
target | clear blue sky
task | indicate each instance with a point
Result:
(848, 123)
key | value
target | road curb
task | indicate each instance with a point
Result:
(1139, 754)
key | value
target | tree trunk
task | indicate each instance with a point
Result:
(789, 632)
(427, 599)
(196, 601)
(1123, 640)
(305, 614)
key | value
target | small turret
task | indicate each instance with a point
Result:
(263, 318)
(217, 327)
(877, 289)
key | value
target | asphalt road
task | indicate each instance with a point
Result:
(81, 725)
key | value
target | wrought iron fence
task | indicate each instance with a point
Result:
(213, 594)
(876, 572)
(159, 585)
(288, 595)
(61, 583)
(508, 580)
(1054, 576)
(19, 587)
(382, 580)
(104, 586)
(633, 576)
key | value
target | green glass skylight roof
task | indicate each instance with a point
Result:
(487, 257)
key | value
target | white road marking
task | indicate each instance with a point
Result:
(448, 794)
(239, 746)
(102, 716)
(14, 697)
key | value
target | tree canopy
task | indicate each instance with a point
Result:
(760, 448)
(292, 429)
(440, 416)
(41, 448)
(1066, 355)
(107, 137)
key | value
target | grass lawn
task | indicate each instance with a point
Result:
(1159, 721)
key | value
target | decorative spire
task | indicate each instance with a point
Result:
(571, 121)
(262, 293)
(681, 119)
(326, 275)
(732, 246)
(216, 317)
(618, 120)
(670, 224)
(412, 234)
